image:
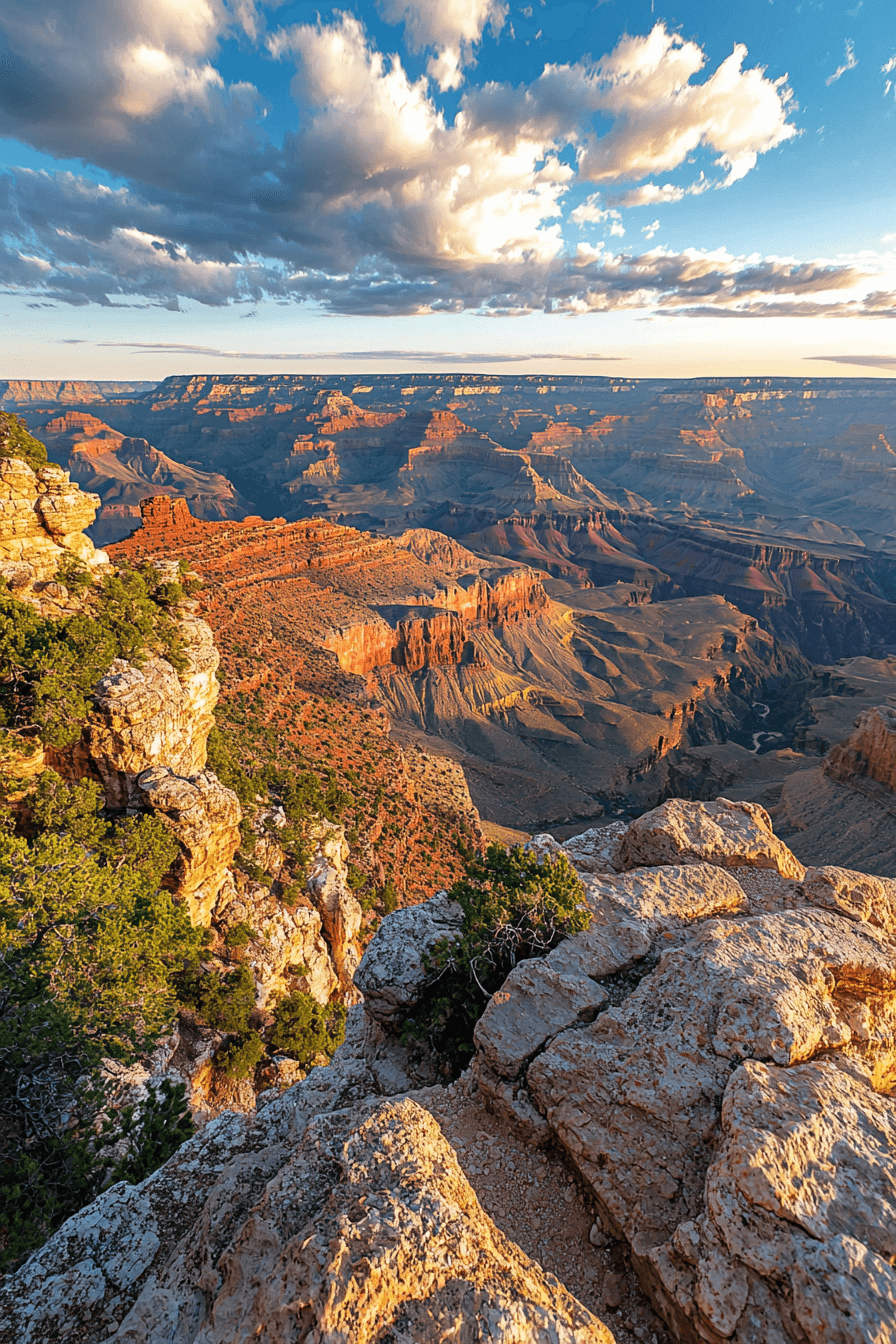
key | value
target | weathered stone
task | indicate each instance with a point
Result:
(634, 1097)
(658, 899)
(729, 835)
(531, 1007)
(856, 895)
(371, 1227)
(288, 946)
(42, 517)
(339, 910)
(392, 975)
(151, 716)
(204, 818)
(597, 850)
(609, 945)
(799, 1221)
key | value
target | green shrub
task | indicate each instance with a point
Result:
(514, 908)
(239, 1057)
(48, 667)
(16, 441)
(304, 1028)
(224, 1002)
(239, 936)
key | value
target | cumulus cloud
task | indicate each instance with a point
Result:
(452, 27)
(376, 201)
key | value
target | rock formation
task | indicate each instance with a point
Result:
(869, 753)
(42, 518)
(717, 1055)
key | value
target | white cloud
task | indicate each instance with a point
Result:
(661, 117)
(889, 67)
(452, 27)
(650, 229)
(849, 63)
(651, 194)
(377, 201)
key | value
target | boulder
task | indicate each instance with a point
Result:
(729, 835)
(635, 1097)
(659, 899)
(150, 716)
(799, 1218)
(531, 1007)
(597, 850)
(856, 895)
(392, 974)
(371, 1230)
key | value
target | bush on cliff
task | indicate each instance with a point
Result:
(89, 948)
(515, 907)
(15, 441)
(48, 667)
(304, 1028)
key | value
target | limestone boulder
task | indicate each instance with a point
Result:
(531, 1007)
(660, 899)
(392, 974)
(635, 1097)
(371, 1230)
(856, 895)
(597, 850)
(42, 518)
(726, 834)
(204, 818)
(799, 1219)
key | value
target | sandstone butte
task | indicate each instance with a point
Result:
(687, 1110)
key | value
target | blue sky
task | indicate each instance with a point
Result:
(237, 185)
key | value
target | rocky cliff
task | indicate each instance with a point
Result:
(868, 754)
(713, 1057)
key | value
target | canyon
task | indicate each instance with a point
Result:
(699, 547)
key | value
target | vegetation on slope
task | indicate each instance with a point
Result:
(515, 907)
(15, 441)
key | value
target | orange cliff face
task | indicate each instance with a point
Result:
(273, 593)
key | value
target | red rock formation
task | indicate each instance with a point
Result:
(868, 754)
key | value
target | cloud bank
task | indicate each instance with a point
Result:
(375, 200)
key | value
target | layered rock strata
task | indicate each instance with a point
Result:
(42, 519)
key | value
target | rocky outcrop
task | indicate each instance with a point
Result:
(339, 911)
(859, 896)
(204, 817)
(287, 950)
(328, 1215)
(730, 1104)
(152, 716)
(729, 835)
(392, 973)
(42, 519)
(869, 754)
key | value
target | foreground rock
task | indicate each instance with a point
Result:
(320, 1219)
(729, 835)
(730, 1106)
(392, 973)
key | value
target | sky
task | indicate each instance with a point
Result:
(628, 186)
